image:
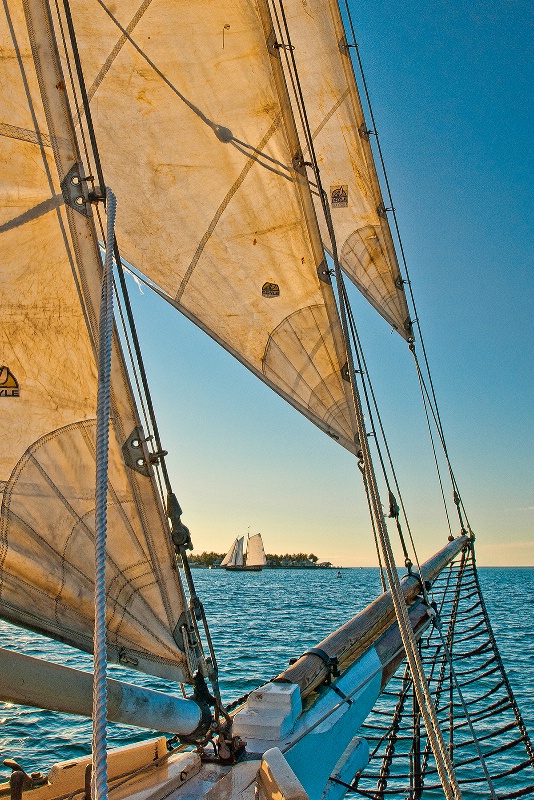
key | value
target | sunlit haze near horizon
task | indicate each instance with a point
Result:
(451, 87)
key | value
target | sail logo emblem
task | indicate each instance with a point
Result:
(339, 196)
(270, 290)
(9, 386)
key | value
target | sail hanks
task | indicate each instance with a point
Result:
(341, 143)
(215, 206)
(49, 307)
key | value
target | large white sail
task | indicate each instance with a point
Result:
(216, 209)
(255, 551)
(341, 144)
(230, 557)
(49, 309)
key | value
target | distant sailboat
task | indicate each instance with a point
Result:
(253, 560)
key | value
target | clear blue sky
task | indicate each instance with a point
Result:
(451, 85)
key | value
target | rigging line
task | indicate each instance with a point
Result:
(98, 167)
(72, 82)
(457, 497)
(132, 359)
(293, 75)
(141, 366)
(443, 763)
(366, 381)
(386, 444)
(99, 778)
(373, 525)
(396, 224)
(126, 339)
(83, 92)
(445, 769)
(454, 677)
(431, 436)
(126, 298)
(520, 723)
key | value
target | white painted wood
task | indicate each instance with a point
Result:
(270, 713)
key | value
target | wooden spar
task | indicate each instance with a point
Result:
(362, 632)
(33, 682)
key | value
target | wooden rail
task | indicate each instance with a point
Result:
(364, 631)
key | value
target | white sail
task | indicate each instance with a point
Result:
(49, 300)
(226, 228)
(346, 165)
(255, 552)
(230, 557)
(239, 556)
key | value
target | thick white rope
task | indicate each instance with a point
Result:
(99, 777)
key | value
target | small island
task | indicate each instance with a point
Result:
(213, 560)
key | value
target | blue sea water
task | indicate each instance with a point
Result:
(258, 621)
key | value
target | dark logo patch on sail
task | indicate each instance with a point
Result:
(339, 196)
(9, 386)
(270, 290)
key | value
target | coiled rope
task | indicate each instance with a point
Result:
(99, 778)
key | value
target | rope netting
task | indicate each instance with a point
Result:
(479, 718)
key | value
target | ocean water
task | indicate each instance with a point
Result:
(258, 621)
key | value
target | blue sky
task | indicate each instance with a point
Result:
(451, 86)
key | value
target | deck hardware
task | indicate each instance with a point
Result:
(134, 453)
(341, 694)
(20, 780)
(126, 659)
(366, 132)
(154, 458)
(272, 45)
(324, 273)
(331, 663)
(75, 192)
(382, 211)
(400, 282)
(299, 163)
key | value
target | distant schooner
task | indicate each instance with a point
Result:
(252, 561)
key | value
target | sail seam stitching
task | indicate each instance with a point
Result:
(222, 208)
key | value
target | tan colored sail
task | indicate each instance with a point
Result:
(48, 306)
(341, 143)
(255, 551)
(198, 141)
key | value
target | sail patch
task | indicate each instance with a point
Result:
(270, 290)
(339, 196)
(9, 386)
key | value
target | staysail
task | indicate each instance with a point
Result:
(255, 551)
(48, 382)
(230, 557)
(340, 139)
(215, 208)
